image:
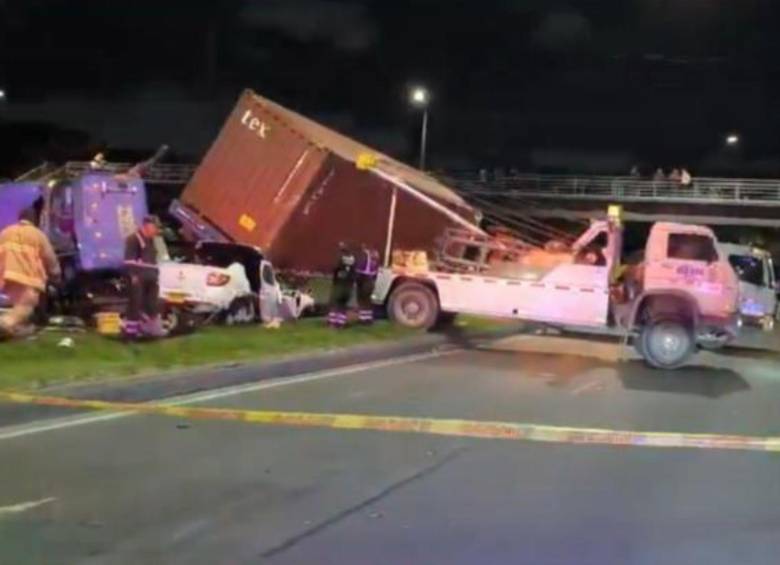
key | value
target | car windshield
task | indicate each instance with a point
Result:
(749, 269)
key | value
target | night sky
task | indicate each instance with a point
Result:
(532, 84)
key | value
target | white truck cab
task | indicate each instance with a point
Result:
(757, 286)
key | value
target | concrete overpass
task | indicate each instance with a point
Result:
(712, 201)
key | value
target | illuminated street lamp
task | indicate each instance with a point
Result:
(732, 139)
(2, 95)
(420, 97)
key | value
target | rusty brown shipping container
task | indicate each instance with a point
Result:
(292, 187)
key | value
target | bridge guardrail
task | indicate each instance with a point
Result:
(703, 189)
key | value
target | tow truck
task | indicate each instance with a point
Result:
(681, 294)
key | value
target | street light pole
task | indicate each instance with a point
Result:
(424, 139)
(420, 98)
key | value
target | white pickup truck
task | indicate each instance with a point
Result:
(228, 282)
(683, 293)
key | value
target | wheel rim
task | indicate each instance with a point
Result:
(244, 314)
(241, 315)
(412, 311)
(170, 321)
(669, 342)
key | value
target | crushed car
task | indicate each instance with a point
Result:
(225, 283)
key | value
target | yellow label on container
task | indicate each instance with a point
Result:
(366, 161)
(247, 222)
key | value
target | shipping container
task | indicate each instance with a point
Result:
(296, 189)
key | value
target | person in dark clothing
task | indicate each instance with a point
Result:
(142, 315)
(366, 269)
(341, 290)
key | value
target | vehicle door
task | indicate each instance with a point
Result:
(576, 292)
(107, 211)
(773, 288)
(59, 220)
(766, 293)
(270, 292)
(690, 262)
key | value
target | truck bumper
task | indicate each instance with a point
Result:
(729, 326)
(765, 322)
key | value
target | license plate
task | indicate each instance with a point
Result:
(176, 297)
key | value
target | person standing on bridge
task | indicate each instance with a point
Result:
(686, 180)
(27, 264)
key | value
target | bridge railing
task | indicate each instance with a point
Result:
(159, 173)
(702, 189)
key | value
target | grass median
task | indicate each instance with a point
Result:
(40, 361)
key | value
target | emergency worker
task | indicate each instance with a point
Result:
(341, 290)
(142, 315)
(27, 264)
(366, 269)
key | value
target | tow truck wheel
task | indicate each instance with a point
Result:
(666, 342)
(413, 305)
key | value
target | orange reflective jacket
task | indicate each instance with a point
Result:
(26, 256)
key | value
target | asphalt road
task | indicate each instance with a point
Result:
(155, 489)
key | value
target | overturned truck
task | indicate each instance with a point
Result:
(297, 189)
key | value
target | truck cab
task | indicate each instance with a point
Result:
(687, 294)
(757, 285)
(87, 218)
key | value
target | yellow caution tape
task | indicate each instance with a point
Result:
(443, 427)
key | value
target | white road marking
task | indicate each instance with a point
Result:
(57, 424)
(24, 506)
(22, 430)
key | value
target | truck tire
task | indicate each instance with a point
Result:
(666, 342)
(413, 305)
(177, 321)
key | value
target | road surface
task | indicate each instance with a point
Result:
(159, 489)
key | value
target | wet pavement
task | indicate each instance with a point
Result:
(161, 489)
